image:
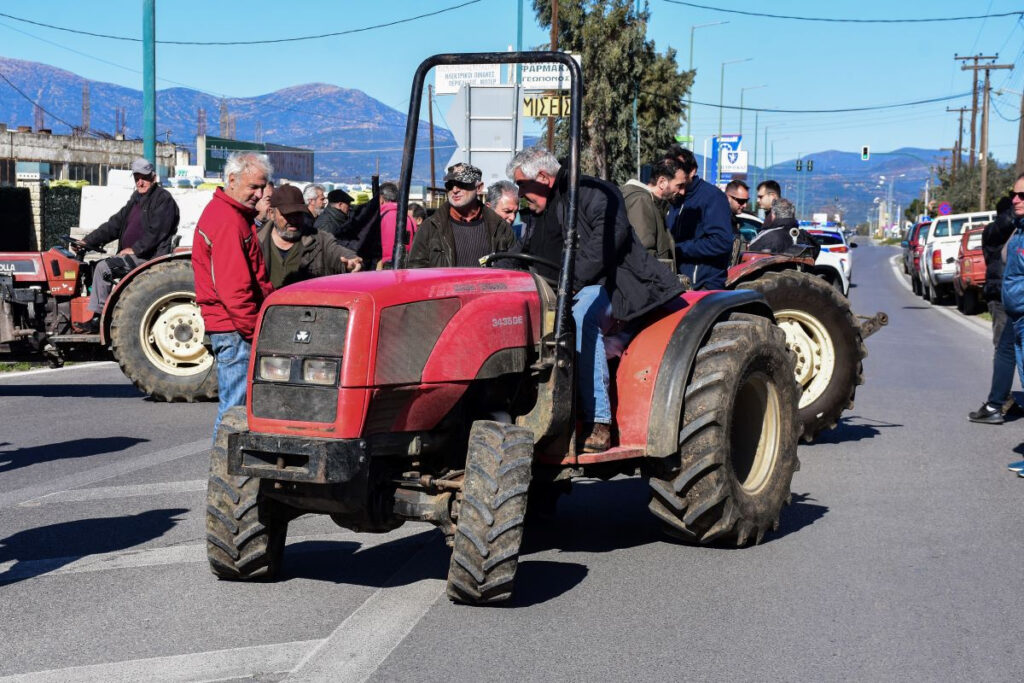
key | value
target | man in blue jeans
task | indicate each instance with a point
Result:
(615, 277)
(230, 273)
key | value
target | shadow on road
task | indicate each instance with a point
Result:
(847, 431)
(76, 448)
(71, 390)
(803, 511)
(38, 551)
(348, 562)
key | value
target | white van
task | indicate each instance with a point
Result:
(937, 266)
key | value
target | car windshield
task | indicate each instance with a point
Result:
(958, 225)
(923, 235)
(828, 238)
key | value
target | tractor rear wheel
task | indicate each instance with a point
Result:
(245, 531)
(492, 512)
(156, 335)
(738, 438)
(826, 338)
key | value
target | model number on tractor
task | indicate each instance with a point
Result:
(511, 320)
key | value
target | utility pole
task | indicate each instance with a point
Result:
(952, 165)
(1019, 166)
(974, 98)
(149, 81)
(430, 116)
(554, 48)
(984, 121)
(957, 158)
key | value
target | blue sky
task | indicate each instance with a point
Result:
(802, 65)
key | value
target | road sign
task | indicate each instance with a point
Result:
(720, 147)
(448, 78)
(685, 140)
(945, 209)
(547, 75)
(546, 105)
(485, 133)
(734, 161)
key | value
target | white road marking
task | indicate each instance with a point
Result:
(116, 492)
(365, 639)
(191, 553)
(242, 662)
(973, 324)
(43, 371)
(114, 469)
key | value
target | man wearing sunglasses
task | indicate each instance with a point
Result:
(462, 230)
(738, 194)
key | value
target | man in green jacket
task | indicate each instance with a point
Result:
(295, 251)
(462, 230)
(647, 204)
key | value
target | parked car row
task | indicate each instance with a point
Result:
(944, 260)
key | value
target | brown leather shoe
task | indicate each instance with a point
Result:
(596, 437)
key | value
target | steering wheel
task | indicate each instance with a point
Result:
(78, 246)
(486, 261)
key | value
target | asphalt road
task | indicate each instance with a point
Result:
(898, 560)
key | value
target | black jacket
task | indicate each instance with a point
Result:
(609, 252)
(159, 223)
(993, 239)
(777, 237)
(434, 243)
(703, 234)
(334, 221)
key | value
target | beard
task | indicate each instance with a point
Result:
(288, 234)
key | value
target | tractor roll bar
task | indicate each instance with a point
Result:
(564, 329)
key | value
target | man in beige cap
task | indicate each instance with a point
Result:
(144, 228)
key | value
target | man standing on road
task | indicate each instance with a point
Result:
(388, 219)
(738, 194)
(615, 277)
(702, 230)
(143, 228)
(646, 204)
(337, 215)
(462, 230)
(767, 192)
(292, 250)
(230, 274)
(1012, 227)
(315, 199)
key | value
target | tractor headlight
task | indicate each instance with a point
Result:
(275, 368)
(319, 371)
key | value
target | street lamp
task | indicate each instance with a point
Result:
(689, 97)
(721, 100)
(743, 90)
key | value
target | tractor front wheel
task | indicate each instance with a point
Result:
(492, 512)
(738, 438)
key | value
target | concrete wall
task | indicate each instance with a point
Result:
(62, 150)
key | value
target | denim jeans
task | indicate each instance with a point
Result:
(232, 353)
(1003, 358)
(592, 311)
(1018, 344)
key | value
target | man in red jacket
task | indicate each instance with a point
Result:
(231, 276)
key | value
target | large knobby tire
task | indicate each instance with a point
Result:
(490, 527)
(826, 338)
(245, 531)
(156, 335)
(738, 438)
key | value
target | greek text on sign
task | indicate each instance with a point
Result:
(734, 161)
(547, 76)
(449, 77)
(548, 105)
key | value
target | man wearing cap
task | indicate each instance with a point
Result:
(293, 251)
(143, 228)
(337, 215)
(462, 230)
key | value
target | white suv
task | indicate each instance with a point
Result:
(938, 260)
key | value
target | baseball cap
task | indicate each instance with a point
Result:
(288, 199)
(142, 166)
(335, 196)
(465, 174)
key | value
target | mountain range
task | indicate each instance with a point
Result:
(352, 132)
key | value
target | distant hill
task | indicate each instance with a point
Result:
(348, 129)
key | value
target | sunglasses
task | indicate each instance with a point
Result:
(739, 200)
(1017, 195)
(465, 186)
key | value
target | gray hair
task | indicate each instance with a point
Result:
(240, 162)
(309, 194)
(503, 187)
(783, 208)
(532, 161)
(388, 192)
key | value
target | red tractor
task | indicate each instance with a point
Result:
(150, 323)
(447, 396)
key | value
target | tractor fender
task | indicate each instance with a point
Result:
(120, 287)
(690, 333)
(754, 263)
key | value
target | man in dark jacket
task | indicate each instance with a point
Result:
(702, 229)
(993, 239)
(292, 250)
(776, 236)
(143, 228)
(337, 215)
(462, 230)
(615, 277)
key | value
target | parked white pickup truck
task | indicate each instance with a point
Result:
(938, 260)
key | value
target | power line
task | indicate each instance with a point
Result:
(245, 42)
(829, 111)
(843, 21)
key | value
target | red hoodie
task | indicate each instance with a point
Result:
(388, 215)
(231, 276)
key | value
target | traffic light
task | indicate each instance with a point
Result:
(865, 153)
(799, 165)
(810, 165)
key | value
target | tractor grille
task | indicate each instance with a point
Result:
(299, 332)
(408, 333)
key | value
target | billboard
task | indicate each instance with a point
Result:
(292, 163)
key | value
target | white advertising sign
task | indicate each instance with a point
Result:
(734, 160)
(547, 76)
(448, 78)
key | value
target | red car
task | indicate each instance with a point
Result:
(913, 246)
(970, 273)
